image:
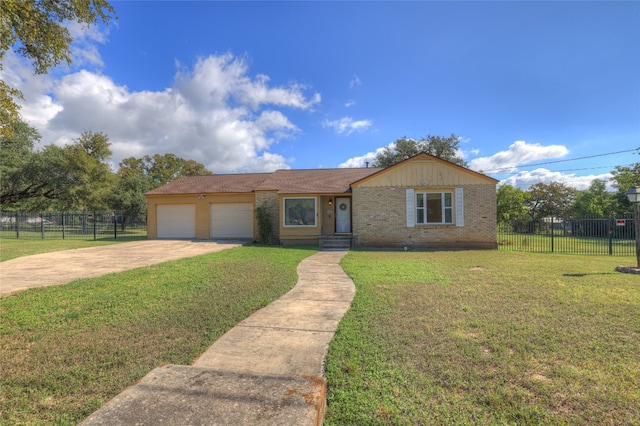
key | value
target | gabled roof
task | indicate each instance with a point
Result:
(309, 181)
(312, 181)
(424, 155)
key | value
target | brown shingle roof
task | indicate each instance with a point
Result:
(236, 183)
(312, 181)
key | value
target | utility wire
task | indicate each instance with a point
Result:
(573, 170)
(561, 161)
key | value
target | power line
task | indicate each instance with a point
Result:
(561, 161)
(584, 168)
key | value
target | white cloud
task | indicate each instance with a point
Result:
(355, 82)
(349, 104)
(369, 157)
(347, 125)
(519, 153)
(83, 49)
(525, 179)
(213, 113)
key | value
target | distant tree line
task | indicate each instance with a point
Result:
(558, 200)
(79, 176)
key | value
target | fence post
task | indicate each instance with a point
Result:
(95, 231)
(63, 225)
(610, 232)
(552, 235)
(115, 226)
(41, 225)
(17, 227)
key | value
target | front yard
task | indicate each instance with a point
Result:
(468, 337)
(66, 350)
(485, 337)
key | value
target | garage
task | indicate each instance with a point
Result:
(176, 221)
(232, 220)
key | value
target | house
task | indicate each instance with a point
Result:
(421, 202)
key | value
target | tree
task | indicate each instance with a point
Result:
(549, 200)
(36, 30)
(16, 151)
(162, 169)
(26, 174)
(511, 202)
(91, 180)
(128, 194)
(594, 201)
(625, 177)
(438, 146)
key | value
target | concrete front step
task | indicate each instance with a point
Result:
(336, 243)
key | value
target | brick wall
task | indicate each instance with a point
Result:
(380, 220)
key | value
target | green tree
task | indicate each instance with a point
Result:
(594, 201)
(549, 200)
(27, 175)
(625, 177)
(90, 179)
(162, 169)
(128, 194)
(36, 30)
(511, 202)
(446, 148)
(16, 152)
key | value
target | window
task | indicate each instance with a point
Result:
(434, 208)
(299, 212)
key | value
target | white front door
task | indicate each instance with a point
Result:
(343, 214)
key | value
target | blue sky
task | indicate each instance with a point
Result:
(256, 86)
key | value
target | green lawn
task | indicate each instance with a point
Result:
(486, 337)
(66, 350)
(10, 248)
(457, 337)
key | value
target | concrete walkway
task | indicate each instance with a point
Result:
(61, 267)
(268, 370)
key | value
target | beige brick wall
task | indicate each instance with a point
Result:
(380, 220)
(271, 200)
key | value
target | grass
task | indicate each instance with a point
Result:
(12, 248)
(486, 337)
(66, 350)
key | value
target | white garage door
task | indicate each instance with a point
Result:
(232, 220)
(177, 221)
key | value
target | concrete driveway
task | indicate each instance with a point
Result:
(60, 267)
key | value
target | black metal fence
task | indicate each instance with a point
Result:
(572, 235)
(72, 225)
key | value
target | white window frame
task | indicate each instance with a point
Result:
(444, 209)
(285, 212)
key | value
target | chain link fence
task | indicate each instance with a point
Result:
(72, 225)
(613, 236)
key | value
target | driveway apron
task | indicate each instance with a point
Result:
(268, 370)
(60, 267)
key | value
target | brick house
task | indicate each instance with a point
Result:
(422, 202)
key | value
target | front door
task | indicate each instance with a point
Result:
(343, 214)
